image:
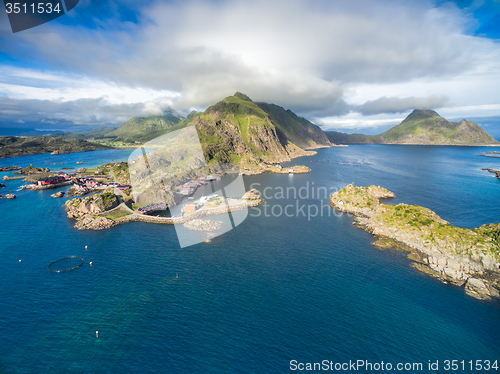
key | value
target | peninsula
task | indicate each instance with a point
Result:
(13, 146)
(467, 258)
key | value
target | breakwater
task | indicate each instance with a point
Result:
(100, 222)
(36, 187)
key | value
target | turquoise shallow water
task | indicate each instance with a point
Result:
(272, 290)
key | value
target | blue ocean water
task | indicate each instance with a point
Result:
(276, 288)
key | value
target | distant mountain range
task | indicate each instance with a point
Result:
(422, 127)
(86, 135)
(241, 131)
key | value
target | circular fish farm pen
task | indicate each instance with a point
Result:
(65, 264)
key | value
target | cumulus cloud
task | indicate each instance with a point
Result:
(397, 105)
(95, 111)
(305, 56)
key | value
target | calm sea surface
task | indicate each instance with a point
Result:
(279, 287)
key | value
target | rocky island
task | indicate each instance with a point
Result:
(467, 258)
(9, 168)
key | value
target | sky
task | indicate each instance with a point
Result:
(353, 66)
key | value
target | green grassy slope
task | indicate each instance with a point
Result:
(236, 127)
(142, 129)
(428, 127)
(423, 127)
(295, 129)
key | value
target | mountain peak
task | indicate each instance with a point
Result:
(425, 126)
(421, 114)
(242, 96)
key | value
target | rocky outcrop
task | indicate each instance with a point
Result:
(95, 223)
(203, 225)
(95, 204)
(58, 194)
(30, 170)
(10, 196)
(9, 168)
(496, 172)
(2, 185)
(252, 194)
(73, 191)
(467, 258)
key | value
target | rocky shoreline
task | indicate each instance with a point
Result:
(90, 212)
(9, 168)
(203, 225)
(273, 169)
(496, 172)
(466, 258)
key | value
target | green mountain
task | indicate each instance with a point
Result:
(143, 129)
(236, 129)
(423, 127)
(296, 130)
(233, 129)
(12, 146)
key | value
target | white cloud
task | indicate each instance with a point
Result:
(355, 122)
(33, 84)
(396, 105)
(317, 58)
(89, 111)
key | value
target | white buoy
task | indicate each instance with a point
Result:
(97, 334)
(85, 247)
(19, 260)
(90, 263)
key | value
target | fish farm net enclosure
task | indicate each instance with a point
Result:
(65, 264)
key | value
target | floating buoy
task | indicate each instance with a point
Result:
(97, 334)
(90, 263)
(19, 260)
(85, 247)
